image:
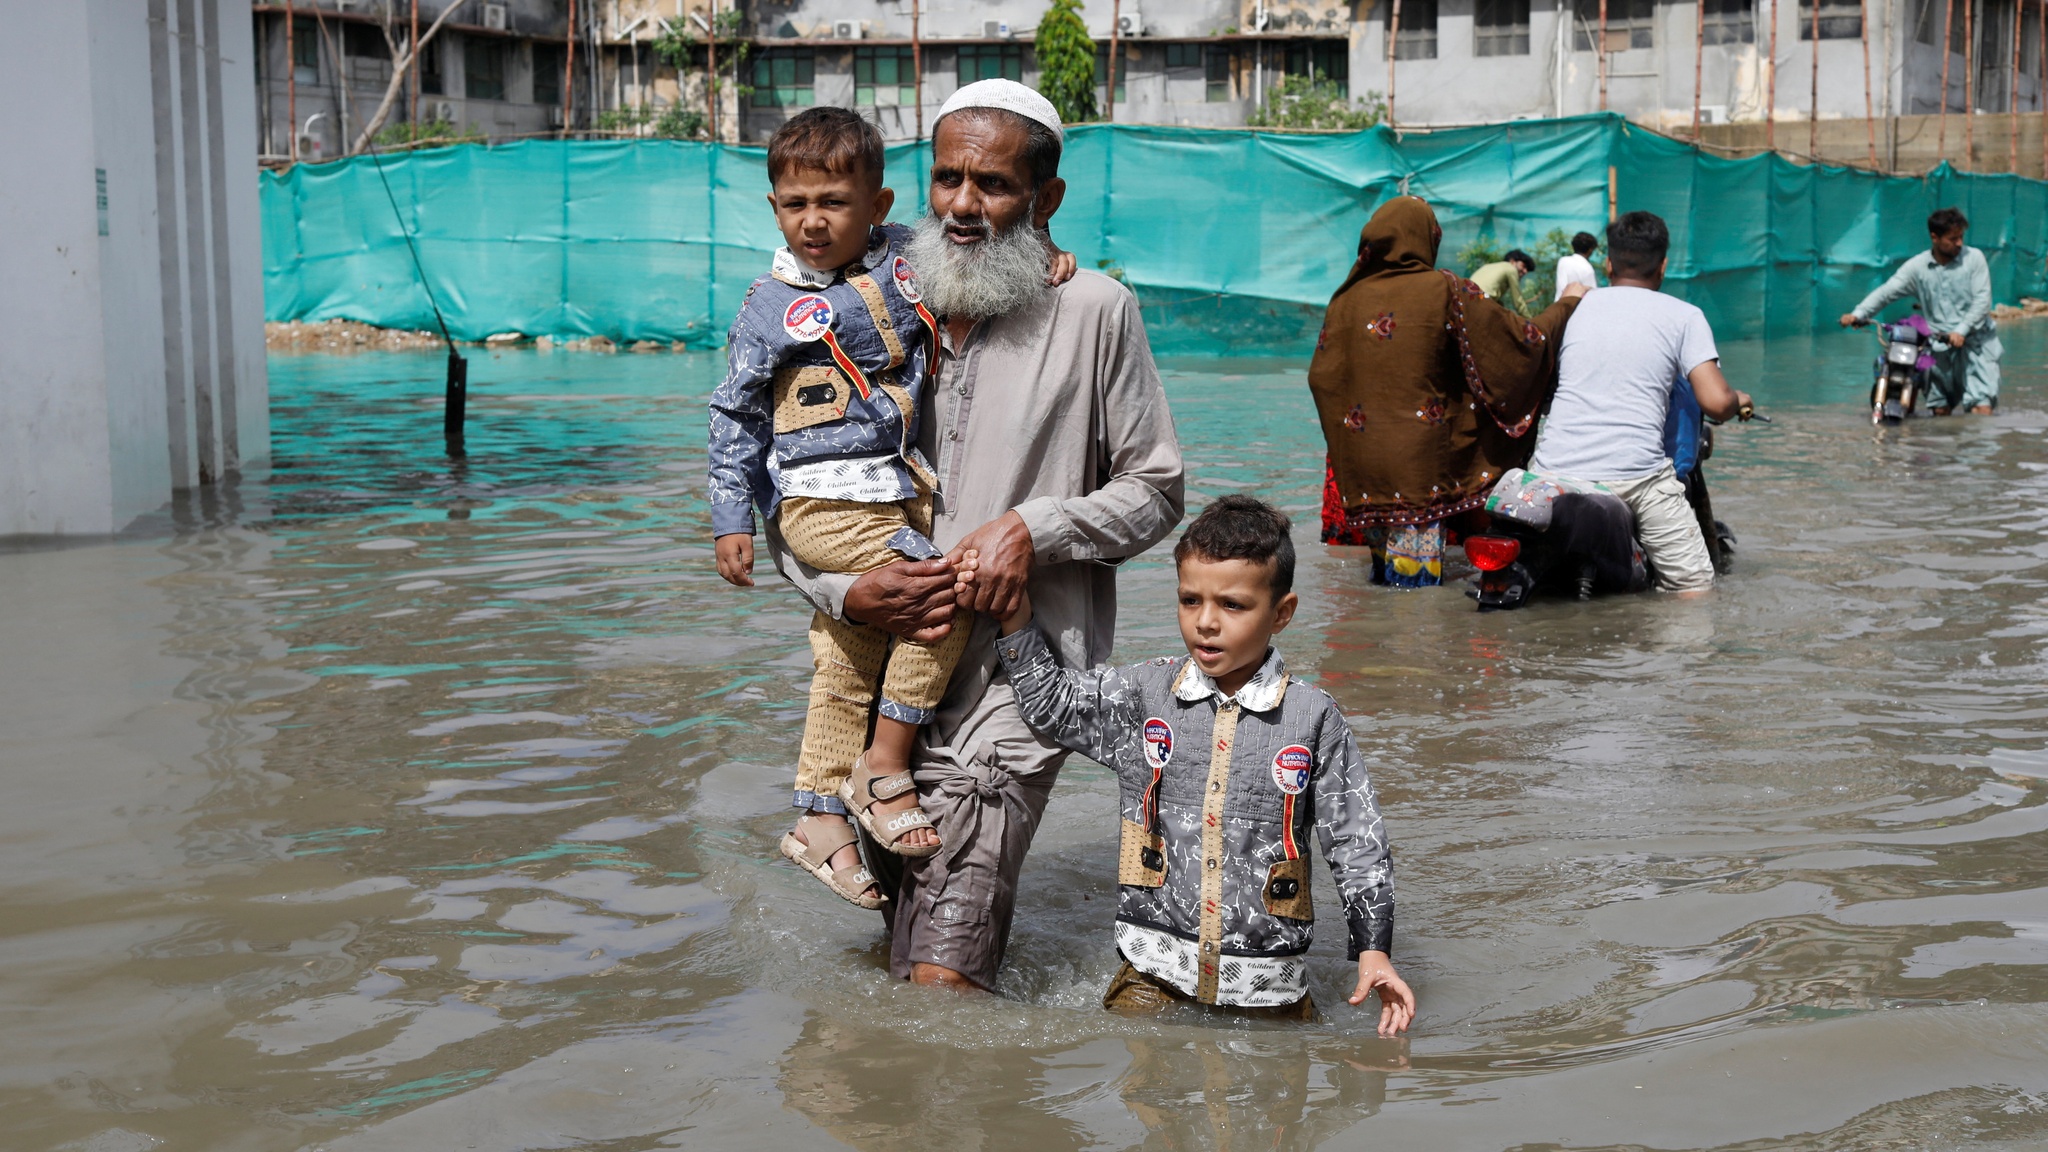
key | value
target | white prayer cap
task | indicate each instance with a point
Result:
(1009, 96)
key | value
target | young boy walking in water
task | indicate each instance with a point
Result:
(816, 425)
(1224, 765)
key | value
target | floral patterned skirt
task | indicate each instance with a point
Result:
(1403, 555)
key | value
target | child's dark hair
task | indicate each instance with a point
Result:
(825, 139)
(1945, 221)
(1242, 528)
(1585, 243)
(1636, 243)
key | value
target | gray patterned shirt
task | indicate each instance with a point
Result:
(866, 455)
(1218, 794)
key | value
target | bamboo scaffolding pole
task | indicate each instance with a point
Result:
(1116, 20)
(1869, 122)
(1699, 52)
(917, 64)
(1771, 91)
(1948, 47)
(2041, 86)
(1393, 35)
(569, 76)
(1813, 95)
(1969, 85)
(413, 72)
(1602, 46)
(2012, 95)
(291, 77)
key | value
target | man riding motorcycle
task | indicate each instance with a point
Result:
(1620, 354)
(1952, 284)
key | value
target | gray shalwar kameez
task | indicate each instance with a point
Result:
(1056, 411)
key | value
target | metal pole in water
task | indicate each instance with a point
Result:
(455, 399)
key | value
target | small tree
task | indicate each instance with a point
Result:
(1316, 102)
(1066, 62)
(405, 56)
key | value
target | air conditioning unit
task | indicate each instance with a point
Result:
(1130, 23)
(847, 29)
(995, 29)
(1713, 113)
(494, 17)
(442, 111)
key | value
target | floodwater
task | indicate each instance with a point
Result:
(385, 805)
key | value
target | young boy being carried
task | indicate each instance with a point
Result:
(816, 424)
(1224, 765)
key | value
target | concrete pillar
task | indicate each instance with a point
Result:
(131, 312)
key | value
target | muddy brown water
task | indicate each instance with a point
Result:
(384, 805)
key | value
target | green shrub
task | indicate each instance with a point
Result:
(1316, 102)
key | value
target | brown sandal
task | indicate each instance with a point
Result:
(862, 790)
(850, 884)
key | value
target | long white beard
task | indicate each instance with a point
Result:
(1001, 274)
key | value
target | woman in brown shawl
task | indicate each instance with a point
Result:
(1428, 391)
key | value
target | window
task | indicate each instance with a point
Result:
(1217, 66)
(547, 73)
(483, 68)
(1629, 24)
(1330, 59)
(884, 76)
(305, 51)
(988, 61)
(1417, 38)
(1123, 72)
(1500, 28)
(364, 40)
(1839, 20)
(782, 78)
(1730, 21)
(1183, 55)
(430, 69)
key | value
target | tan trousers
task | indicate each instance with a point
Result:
(853, 660)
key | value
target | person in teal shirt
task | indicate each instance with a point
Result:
(1952, 283)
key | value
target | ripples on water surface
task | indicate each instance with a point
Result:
(389, 806)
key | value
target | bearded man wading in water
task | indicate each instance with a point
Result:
(1056, 459)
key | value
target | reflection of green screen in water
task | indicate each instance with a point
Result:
(1234, 240)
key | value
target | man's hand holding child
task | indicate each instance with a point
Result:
(1397, 1000)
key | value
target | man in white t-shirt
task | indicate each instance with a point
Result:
(1625, 346)
(1577, 268)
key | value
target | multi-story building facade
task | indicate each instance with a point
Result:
(507, 68)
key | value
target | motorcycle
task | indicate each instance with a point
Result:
(1901, 374)
(1549, 534)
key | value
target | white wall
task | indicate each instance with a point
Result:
(131, 357)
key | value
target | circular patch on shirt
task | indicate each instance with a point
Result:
(1158, 742)
(906, 280)
(1291, 767)
(808, 318)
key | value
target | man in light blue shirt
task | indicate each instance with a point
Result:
(1953, 285)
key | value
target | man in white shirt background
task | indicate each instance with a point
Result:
(1625, 346)
(1577, 267)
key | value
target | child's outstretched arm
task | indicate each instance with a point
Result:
(1397, 1000)
(1354, 841)
(1080, 709)
(741, 434)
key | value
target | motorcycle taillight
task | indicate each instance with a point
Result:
(1492, 553)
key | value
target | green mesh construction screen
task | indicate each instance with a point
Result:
(1233, 239)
